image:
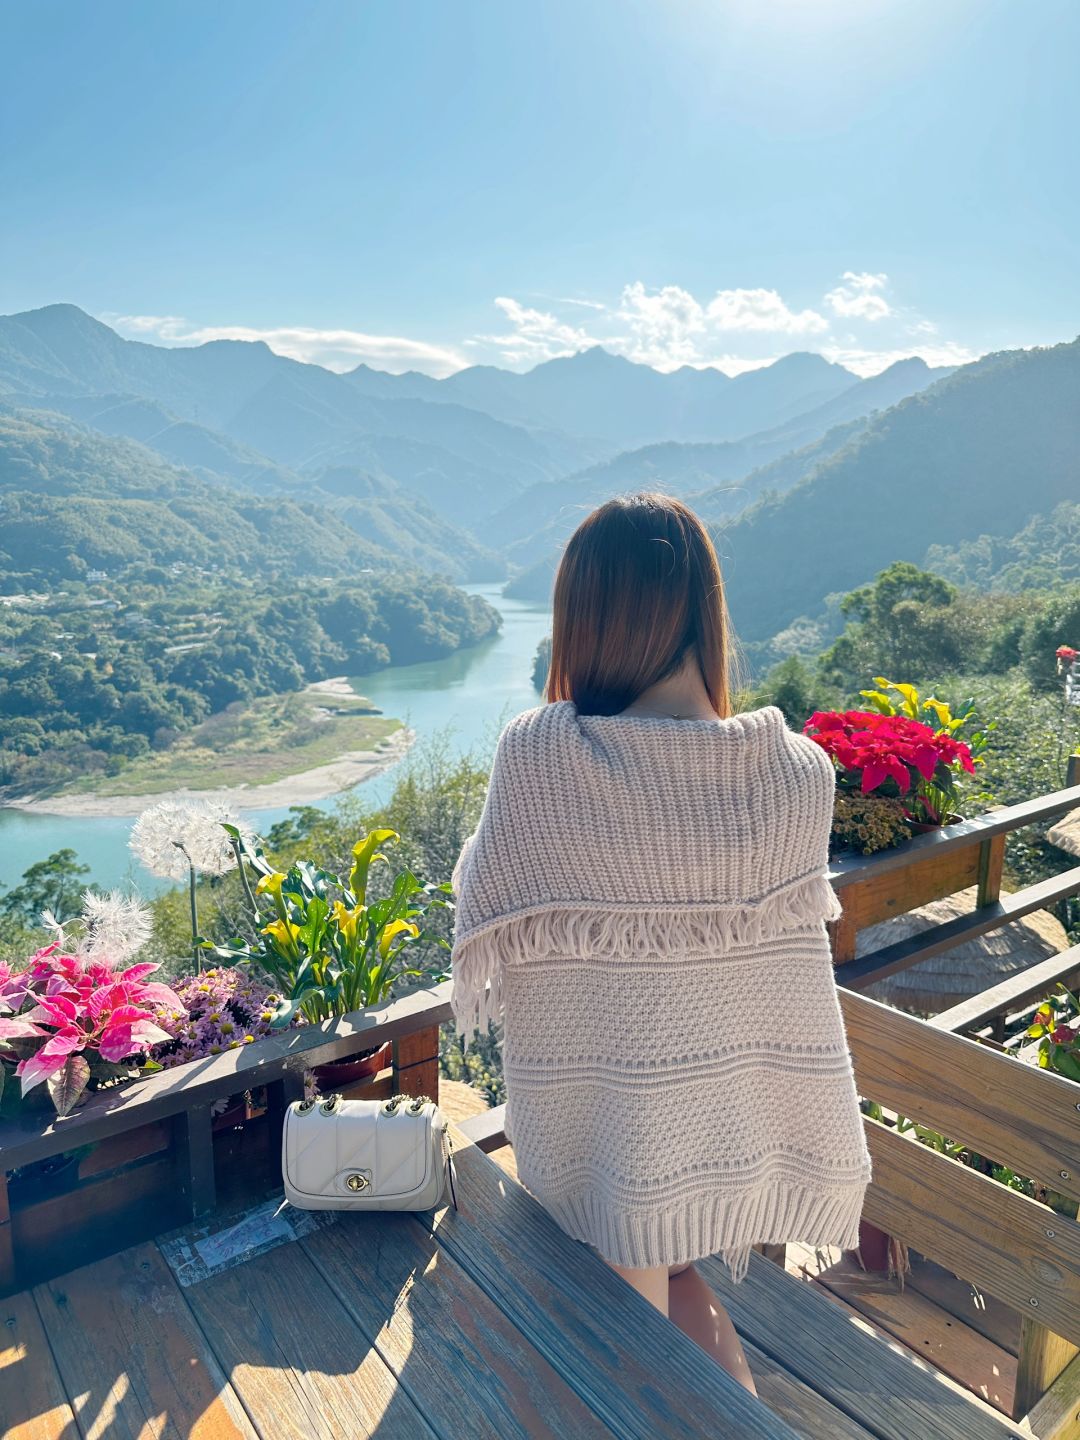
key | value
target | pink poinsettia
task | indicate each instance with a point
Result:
(81, 1009)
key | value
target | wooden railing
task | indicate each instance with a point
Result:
(928, 867)
(1010, 1246)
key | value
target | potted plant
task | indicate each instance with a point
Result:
(221, 1009)
(895, 773)
(328, 948)
(74, 1022)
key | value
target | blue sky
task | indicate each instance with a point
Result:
(430, 184)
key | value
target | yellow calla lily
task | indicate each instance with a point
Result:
(348, 921)
(271, 884)
(283, 933)
(395, 928)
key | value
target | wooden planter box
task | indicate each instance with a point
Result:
(872, 888)
(140, 1159)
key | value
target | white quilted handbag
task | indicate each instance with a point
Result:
(366, 1154)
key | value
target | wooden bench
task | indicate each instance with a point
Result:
(1010, 1246)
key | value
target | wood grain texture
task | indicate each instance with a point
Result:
(416, 1048)
(466, 1367)
(33, 1401)
(1043, 1357)
(883, 893)
(984, 1313)
(632, 1367)
(878, 964)
(1012, 1113)
(884, 1388)
(1057, 1415)
(977, 1363)
(132, 1357)
(852, 869)
(991, 866)
(1012, 994)
(302, 1367)
(1003, 1242)
(807, 1412)
(99, 1218)
(486, 1130)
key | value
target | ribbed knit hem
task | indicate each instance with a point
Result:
(726, 1225)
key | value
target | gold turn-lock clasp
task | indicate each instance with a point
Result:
(357, 1183)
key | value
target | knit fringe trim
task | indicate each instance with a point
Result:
(588, 931)
(712, 1225)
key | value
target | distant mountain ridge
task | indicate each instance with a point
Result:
(467, 473)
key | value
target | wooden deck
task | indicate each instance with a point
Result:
(487, 1322)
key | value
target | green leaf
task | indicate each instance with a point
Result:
(68, 1084)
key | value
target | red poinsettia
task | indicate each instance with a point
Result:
(890, 753)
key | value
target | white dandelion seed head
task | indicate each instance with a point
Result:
(174, 833)
(116, 926)
(50, 922)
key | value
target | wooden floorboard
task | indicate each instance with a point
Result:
(887, 1390)
(573, 1308)
(807, 1412)
(33, 1401)
(985, 1314)
(472, 1373)
(930, 1332)
(131, 1356)
(302, 1367)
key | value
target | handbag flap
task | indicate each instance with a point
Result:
(360, 1149)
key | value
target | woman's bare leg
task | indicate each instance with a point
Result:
(652, 1283)
(695, 1310)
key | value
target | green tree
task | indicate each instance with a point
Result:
(55, 883)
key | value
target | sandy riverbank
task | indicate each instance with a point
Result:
(302, 788)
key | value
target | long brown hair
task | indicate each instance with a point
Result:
(638, 590)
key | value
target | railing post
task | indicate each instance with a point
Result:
(991, 865)
(843, 934)
(416, 1063)
(1072, 771)
(195, 1159)
(7, 1242)
(1041, 1359)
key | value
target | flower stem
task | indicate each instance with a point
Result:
(252, 905)
(195, 949)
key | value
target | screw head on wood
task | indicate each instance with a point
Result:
(1034, 1302)
(1050, 1234)
(1064, 1174)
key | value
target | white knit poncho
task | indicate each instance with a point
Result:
(643, 906)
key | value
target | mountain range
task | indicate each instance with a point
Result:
(812, 477)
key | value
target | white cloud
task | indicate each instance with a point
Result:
(665, 326)
(736, 329)
(535, 335)
(762, 310)
(859, 297)
(335, 349)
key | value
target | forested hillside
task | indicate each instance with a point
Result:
(72, 500)
(95, 676)
(980, 451)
